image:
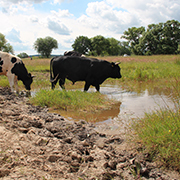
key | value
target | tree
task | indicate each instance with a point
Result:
(133, 36)
(150, 41)
(170, 37)
(23, 55)
(4, 46)
(114, 47)
(162, 38)
(124, 48)
(82, 44)
(100, 45)
(45, 46)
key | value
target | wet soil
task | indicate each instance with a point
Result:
(36, 144)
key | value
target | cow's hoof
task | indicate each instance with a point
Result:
(28, 94)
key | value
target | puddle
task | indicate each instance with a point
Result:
(131, 105)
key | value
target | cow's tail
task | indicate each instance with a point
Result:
(52, 79)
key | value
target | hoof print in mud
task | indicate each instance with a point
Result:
(34, 140)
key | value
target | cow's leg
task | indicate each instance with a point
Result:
(86, 87)
(62, 82)
(16, 84)
(97, 87)
(11, 78)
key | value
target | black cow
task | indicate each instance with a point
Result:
(73, 53)
(93, 71)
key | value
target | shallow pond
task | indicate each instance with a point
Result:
(131, 105)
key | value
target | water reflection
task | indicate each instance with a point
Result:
(136, 104)
(133, 105)
(130, 106)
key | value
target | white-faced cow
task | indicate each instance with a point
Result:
(13, 67)
(93, 71)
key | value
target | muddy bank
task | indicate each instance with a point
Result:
(36, 144)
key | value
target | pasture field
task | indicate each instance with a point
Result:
(160, 69)
(158, 132)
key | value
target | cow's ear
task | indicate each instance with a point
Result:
(113, 64)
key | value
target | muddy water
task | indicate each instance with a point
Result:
(132, 105)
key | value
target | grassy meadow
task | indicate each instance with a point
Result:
(158, 132)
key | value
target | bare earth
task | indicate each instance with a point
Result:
(36, 144)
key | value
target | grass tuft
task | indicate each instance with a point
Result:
(159, 132)
(71, 100)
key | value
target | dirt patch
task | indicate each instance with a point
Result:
(36, 144)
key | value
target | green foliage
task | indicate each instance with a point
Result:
(114, 47)
(4, 81)
(124, 48)
(99, 45)
(133, 36)
(162, 38)
(4, 46)
(70, 100)
(82, 44)
(45, 46)
(23, 55)
(159, 132)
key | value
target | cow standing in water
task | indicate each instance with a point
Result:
(93, 71)
(13, 67)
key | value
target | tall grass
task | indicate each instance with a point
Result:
(144, 71)
(71, 100)
(159, 132)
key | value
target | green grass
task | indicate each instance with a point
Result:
(145, 71)
(159, 132)
(135, 69)
(71, 100)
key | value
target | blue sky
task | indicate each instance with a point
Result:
(23, 21)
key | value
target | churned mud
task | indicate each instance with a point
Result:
(36, 144)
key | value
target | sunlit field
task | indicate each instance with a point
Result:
(158, 132)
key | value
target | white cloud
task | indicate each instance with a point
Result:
(149, 11)
(58, 1)
(62, 13)
(109, 18)
(58, 27)
(24, 1)
(34, 19)
(14, 7)
(100, 15)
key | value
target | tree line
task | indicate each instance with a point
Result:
(161, 38)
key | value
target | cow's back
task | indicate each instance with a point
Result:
(72, 68)
(7, 62)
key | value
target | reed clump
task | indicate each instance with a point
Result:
(159, 132)
(72, 100)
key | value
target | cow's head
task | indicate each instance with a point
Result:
(22, 74)
(28, 81)
(116, 70)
